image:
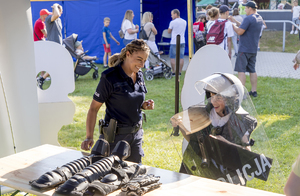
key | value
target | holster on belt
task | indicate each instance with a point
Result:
(108, 132)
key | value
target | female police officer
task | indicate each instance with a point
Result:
(122, 89)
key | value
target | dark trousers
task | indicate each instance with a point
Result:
(135, 140)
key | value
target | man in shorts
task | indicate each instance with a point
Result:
(177, 27)
(249, 32)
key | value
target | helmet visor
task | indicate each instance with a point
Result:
(215, 83)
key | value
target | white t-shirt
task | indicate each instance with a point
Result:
(128, 25)
(209, 24)
(228, 31)
(178, 26)
(79, 51)
(296, 10)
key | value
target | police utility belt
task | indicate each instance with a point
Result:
(109, 130)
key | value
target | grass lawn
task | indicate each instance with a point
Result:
(272, 41)
(277, 106)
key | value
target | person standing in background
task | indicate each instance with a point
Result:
(199, 26)
(53, 24)
(129, 29)
(208, 7)
(237, 17)
(249, 32)
(151, 31)
(213, 14)
(39, 29)
(228, 29)
(242, 9)
(296, 11)
(106, 41)
(54, 27)
(177, 27)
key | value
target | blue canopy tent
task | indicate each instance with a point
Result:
(85, 18)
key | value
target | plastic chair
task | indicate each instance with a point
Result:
(165, 34)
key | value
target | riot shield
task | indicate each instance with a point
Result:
(226, 139)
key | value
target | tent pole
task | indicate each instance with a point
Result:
(190, 27)
(141, 12)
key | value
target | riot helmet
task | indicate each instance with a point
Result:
(226, 85)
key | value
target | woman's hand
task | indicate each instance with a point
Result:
(148, 105)
(87, 144)
(90, 125)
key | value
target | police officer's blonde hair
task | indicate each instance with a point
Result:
(133, 46)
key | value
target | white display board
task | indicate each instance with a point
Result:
(30, 117)
(17, 67)
(206, 61)
(6, 141)
(57, 61)
(55, 107)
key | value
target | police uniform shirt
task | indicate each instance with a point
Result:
(123, 98)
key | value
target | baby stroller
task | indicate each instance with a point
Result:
(82, 66)
(158, 67)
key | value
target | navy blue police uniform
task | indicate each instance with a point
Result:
(123, 99)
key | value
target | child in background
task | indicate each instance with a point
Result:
(79, 51)
(106, 41)
(296, 11)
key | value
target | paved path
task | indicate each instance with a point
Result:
(272, 64)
